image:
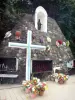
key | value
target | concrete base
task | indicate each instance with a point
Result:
(55, 91)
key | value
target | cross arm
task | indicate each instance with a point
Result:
(38, 47)
(17, 45)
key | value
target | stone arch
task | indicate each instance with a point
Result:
(40, 13)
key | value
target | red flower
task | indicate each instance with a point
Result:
(60, 42)
(17, 35)
(43, 84)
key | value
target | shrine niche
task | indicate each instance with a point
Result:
(8, 64)
(8, 69)
(41, 66)
(41, 19)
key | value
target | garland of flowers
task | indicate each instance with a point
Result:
(34, 87)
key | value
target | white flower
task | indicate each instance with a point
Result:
(34, 78)
(67, 76)
(39, 83)
(28, 85)
(38, 80)
(57, 44)
(64, 43)
(33, 89)
(48, 39)
(23, 82)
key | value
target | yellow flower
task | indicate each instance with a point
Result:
(67, 43)
(46, 87)
(65, 78)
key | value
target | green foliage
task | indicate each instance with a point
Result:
(9, 14)
(66, 20)
(6, 17)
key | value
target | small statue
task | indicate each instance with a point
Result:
(39, 25)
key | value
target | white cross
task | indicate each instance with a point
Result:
(28, 46)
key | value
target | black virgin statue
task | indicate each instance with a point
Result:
(39, 25)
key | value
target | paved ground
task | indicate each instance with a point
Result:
(55, 91)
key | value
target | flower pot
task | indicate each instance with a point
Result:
(61, 81)
(41, 93)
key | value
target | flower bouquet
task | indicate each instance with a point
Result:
(34, 87)
(62, 78)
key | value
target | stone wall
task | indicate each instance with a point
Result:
(55, 53)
